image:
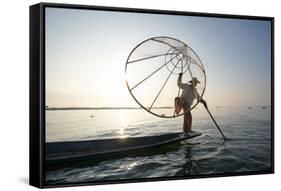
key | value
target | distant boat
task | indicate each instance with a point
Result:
(92, 116)
(264, 107)
(250, 107)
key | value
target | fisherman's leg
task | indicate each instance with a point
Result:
(187, 121)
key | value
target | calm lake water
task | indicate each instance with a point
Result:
(248, 148)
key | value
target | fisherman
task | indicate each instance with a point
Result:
(189, 93)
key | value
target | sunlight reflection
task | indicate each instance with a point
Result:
(122, 119)
(122, 135)
(129, 166)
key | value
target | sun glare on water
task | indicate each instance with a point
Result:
(129, 166)
(122, 119)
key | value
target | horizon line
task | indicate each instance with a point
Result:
(122, 107)
(100, 108)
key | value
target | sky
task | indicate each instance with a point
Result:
(86, 53)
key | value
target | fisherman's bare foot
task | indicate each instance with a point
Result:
(186, 133)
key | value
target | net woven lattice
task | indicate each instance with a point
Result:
(152, 70)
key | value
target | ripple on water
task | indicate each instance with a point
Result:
(247, 149)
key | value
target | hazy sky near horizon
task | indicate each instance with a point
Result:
(86, 52)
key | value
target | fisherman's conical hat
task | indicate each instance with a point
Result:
(194, 79)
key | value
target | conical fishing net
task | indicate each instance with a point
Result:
(152, 72)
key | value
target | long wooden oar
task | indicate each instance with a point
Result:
(206, 107)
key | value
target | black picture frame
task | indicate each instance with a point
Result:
(37, 91)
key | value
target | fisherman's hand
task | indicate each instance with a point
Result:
(204, 103)
(180, 74)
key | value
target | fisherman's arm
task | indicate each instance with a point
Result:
(200, 99)
(179, 83)
(203, 102)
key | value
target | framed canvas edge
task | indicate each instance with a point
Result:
(155, 11)
(272, 95)
(38, 89)
(35, 130)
